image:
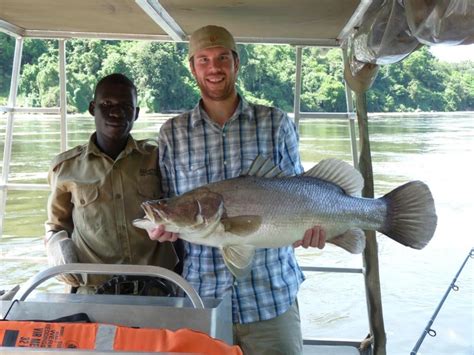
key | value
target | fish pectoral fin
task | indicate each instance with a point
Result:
(352, 240)
(238, 259)
(242, 225)
(144, 223)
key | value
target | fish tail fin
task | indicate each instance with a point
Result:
(411, 217)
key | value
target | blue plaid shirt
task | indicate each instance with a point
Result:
(195, 151)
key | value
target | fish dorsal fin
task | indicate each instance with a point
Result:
(238, 259)
(263, 167)
(340, 173)
(352, 240)
(242, 225)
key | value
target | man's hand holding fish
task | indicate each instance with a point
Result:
(314, 237)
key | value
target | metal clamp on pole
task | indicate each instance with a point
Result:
(110, 269)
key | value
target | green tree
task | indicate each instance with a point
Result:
(7, 47)
(39, 82)
(323, 86)
(267, 74)
(161, 76)
(459, 92)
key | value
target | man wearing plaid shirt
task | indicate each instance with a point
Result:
(218, 140)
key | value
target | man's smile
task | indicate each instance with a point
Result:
(215, 79)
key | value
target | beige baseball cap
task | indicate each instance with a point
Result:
(209, 37)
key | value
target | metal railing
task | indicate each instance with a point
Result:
(363, 346)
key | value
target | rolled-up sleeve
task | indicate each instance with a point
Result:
(59, 207)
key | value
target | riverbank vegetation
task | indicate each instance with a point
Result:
(267, 75)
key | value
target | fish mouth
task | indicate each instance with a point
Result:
(153, 212)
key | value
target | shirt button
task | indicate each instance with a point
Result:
(225, 162)
(223, 134)
(82, 201)
(118, 196)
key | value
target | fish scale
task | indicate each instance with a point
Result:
(290, 206)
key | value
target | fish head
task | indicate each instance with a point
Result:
(196, 213)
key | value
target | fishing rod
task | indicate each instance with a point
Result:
(454, 287)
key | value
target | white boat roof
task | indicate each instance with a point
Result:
(299, 22)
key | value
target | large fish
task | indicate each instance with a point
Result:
(263, 209)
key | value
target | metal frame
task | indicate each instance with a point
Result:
(338, 341)
(11, 29)
(162, 18)
(53, 110)
(7, 152)
(107, 269)
(355, 18)
(62, 93)
(349, 114)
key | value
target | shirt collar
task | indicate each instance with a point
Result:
(243, 110)
(132, 145)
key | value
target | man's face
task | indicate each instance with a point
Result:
(215, 70)
(115, 109)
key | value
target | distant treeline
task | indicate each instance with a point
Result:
(267, 75)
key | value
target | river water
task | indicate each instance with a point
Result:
(437, 149)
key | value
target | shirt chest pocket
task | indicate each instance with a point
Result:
(149, 187)
(190, 176)
(84, 194)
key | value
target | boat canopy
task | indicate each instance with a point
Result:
(372, 32)
(309, 22)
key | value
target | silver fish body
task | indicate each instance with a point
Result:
(289, 206)
(263, 209)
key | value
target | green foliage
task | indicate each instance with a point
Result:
(267, 76)
(7, 47)
(268, 72)
(422, 83)
(161, 76)
(323, 88)
(459, 90)
(39, 82)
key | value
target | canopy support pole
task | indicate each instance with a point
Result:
(370, 256)
(351, 119)
(7, 149)
(297, 101)
(62, 94)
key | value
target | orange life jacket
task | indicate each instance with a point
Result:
(103, 337)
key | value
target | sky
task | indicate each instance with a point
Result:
(453, 53)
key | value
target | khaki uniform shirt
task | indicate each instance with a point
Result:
(95, 199)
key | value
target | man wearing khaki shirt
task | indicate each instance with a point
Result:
(97, 189)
